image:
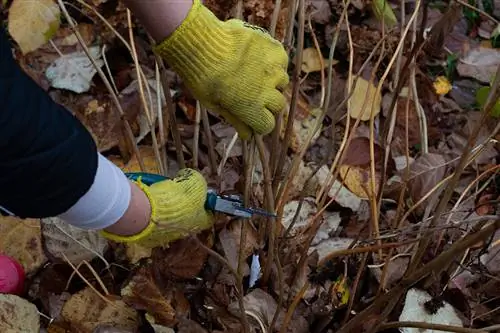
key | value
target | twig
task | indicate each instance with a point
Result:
(147, 111)
(196, 136)
(424, 325)
(161, 124)
(434, 266)
(238, 281)
(210, 141)
(482, 12)
(291, 309)
(171, 113)
(293, 103)
(272, 223)
(227, 151)
(116, 101)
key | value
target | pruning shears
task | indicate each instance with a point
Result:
(227, 204)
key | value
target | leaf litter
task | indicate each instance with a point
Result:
(337, 258)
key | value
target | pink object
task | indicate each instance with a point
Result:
(11, 276)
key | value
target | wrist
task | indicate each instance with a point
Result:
(160, 17)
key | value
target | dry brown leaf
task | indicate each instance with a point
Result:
(64, 240)
(22, 240)
(85, 311)
(189, 326)
(18, 315)
(183, 258)
(364, 100)
(143, 293)
(358, 180)
(397, 267)
(230, 241)
(425, 172)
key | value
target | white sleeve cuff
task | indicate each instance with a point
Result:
(105, 202)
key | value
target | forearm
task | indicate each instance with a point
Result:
(160, 17)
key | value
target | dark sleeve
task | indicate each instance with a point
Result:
(48, 160)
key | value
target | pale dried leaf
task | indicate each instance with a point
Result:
(85, 311)
(425, 173)
(414, 310)
(110, 329)
(32, 23)
(62, 239)
(18, 315)
(22, 240)
(330, 220)
(397, 267)
(331, 245)
(342, 195)
(364, 100)
(358, 180)
(74, 71)
(479, 63)
(311, 61)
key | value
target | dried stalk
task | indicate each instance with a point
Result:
(293, 103)
(116, 101)
(210, 141)
(429, 326)
(196, 137)
(147, 111)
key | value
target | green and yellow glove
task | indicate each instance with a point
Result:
(177, 210)
(234, 69)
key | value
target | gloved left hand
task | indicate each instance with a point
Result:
(177, 210)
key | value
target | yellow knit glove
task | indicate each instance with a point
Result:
(177, 210)
(234, 69)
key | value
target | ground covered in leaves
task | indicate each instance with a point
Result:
(385, 181)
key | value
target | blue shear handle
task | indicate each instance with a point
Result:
(151, 178)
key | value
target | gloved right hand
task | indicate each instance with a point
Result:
(234, 69)
(177, 210)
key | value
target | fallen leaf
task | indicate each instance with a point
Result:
(21, 239)
(109, 329)
(342, 195)
(481, 98)
(18, 315)
(358, 180)
(479, 63)
(330, 220)
(458, 139)
(230, 241)
(383, 11)
(62, 239)
(74, 71)
(311, 61)
(189, 326)
(331, 245)
(425, 172)
(85, 311)
(419, 307)
(143, 293)
(32, 23)
(162, 329)
(442, 86)
(148, 157)
(321, 11)
(136, 252)
(304, 122)
(364, 100)
(183, 258)
(395, 271)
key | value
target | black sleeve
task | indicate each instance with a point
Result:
(48, 160)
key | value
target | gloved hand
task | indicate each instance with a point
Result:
(234, 69)
(177, 209)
